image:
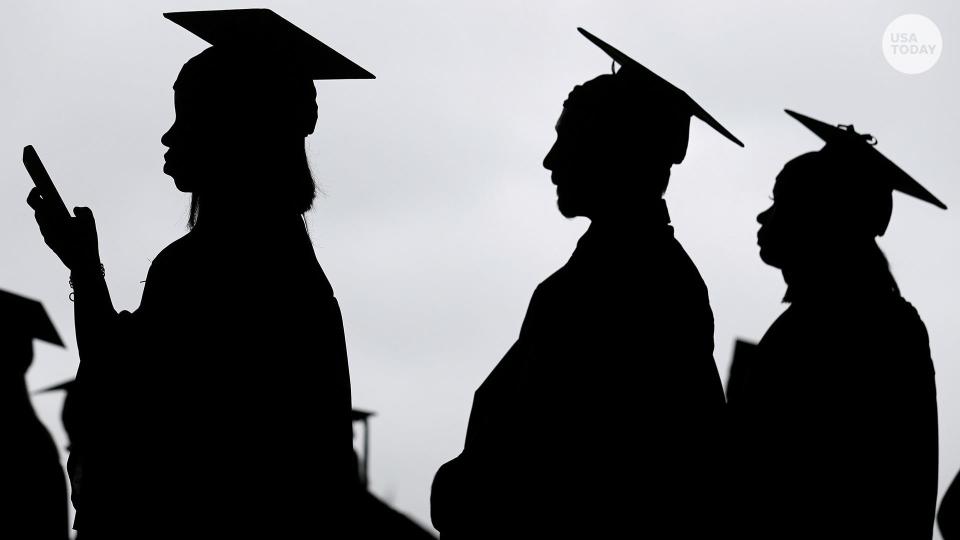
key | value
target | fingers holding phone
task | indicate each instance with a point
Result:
(72, 239)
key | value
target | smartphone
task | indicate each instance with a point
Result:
(43, 182)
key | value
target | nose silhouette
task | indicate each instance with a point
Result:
(764, 216)
(550, 158)
(167, 137)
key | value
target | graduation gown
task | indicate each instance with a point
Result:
(603, 416)
(835, 419)
(222, 404)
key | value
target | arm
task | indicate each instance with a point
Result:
(74, 241)
(92, 309)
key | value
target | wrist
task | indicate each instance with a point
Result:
(87, 268)
(86, 271)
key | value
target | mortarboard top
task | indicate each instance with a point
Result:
(680, 99)
(861, 147)
(26, 317)
(265, 32)
(65, 385)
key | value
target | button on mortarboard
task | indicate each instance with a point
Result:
(859, 148)
(26, 318)
(268, 34)
(668, 94)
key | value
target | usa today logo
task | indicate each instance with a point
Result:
(912, 44)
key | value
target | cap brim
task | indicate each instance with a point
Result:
(629, 63)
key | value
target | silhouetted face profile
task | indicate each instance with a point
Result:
(238, 119)
(614, 148)
(782, 225)
(823, 204)
(199, 139)
(192, 142)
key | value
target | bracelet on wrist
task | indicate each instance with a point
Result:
(103, 272)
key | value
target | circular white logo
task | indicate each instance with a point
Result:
(912, 44)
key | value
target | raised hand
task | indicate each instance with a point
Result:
(74, 239)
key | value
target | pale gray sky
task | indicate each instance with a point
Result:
(439, 219)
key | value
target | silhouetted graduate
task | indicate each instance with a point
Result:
(221, 406)
(34, 491)
(835, 414)
(603, 417)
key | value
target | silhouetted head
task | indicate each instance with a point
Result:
(614, 148)
(832, 202)
(244, 107)
(617, 138)
(821, 205)
(240, 129)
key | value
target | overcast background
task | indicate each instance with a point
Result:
(439, 219)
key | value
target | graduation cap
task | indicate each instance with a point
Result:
(668, 95)
(26, 318)
(265, 33)
(860, 148)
